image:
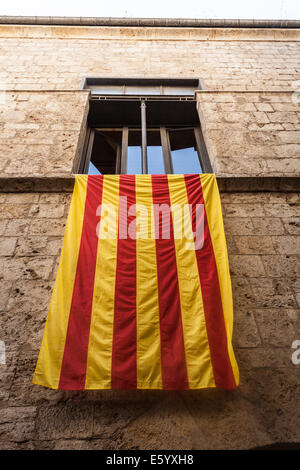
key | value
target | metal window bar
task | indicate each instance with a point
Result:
(144, 138)
(124, 151)
(166, 151)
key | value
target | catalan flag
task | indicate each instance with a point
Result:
(142, 298)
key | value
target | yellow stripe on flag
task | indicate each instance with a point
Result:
(98, 375)
(148, 327)
(48, 367)
(199, 367)
(215, 222)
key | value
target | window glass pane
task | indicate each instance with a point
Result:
(142, 90)
(134, 153)
(93, 170)
(185, 161)
(154, 153)
(155, 160)
(184, 153)
(134, 160)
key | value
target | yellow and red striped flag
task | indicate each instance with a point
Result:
(142, 298)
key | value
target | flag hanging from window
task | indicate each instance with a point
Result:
(142, 298)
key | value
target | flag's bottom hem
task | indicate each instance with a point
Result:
(137, 388)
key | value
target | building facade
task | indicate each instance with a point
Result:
(249, 110)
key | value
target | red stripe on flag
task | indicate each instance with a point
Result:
(211, 295)
(124, 360)
(174, 371)
(73, 369)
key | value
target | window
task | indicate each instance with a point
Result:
(143, 126)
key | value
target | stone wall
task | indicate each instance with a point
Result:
(251, 133)
(41, 134)
(58, 57)
(247, 133)
(43, 111)
(263, 236)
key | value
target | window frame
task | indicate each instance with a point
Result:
(122, 158)
(97, 85)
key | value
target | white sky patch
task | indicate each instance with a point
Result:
(234, 9)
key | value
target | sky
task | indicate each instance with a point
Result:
(230, 9)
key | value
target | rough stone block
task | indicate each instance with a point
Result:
(7, 246)
(274, 393)
(5, 288)
(264, 357)
(246, 265)
(281, 265)
(14, 211)
(13, 269)
(264, 107)
(245, 332)
(111, 417)
(17, 423)
(17, 227)
(236, 418)
(3, 225)
(244, 210)
(242, 293)
(238, 226)
(282, 210)
(51, 211)
(272, 293)
(53, 227)
(267, 226)
(30, 296)
(289, 245)
(261, 117)
(289, 117)
(170, 416)
(65, 421)
(275, 326)
(254, 244)
(21, 198)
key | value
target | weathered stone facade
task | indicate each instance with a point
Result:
(250, 120)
